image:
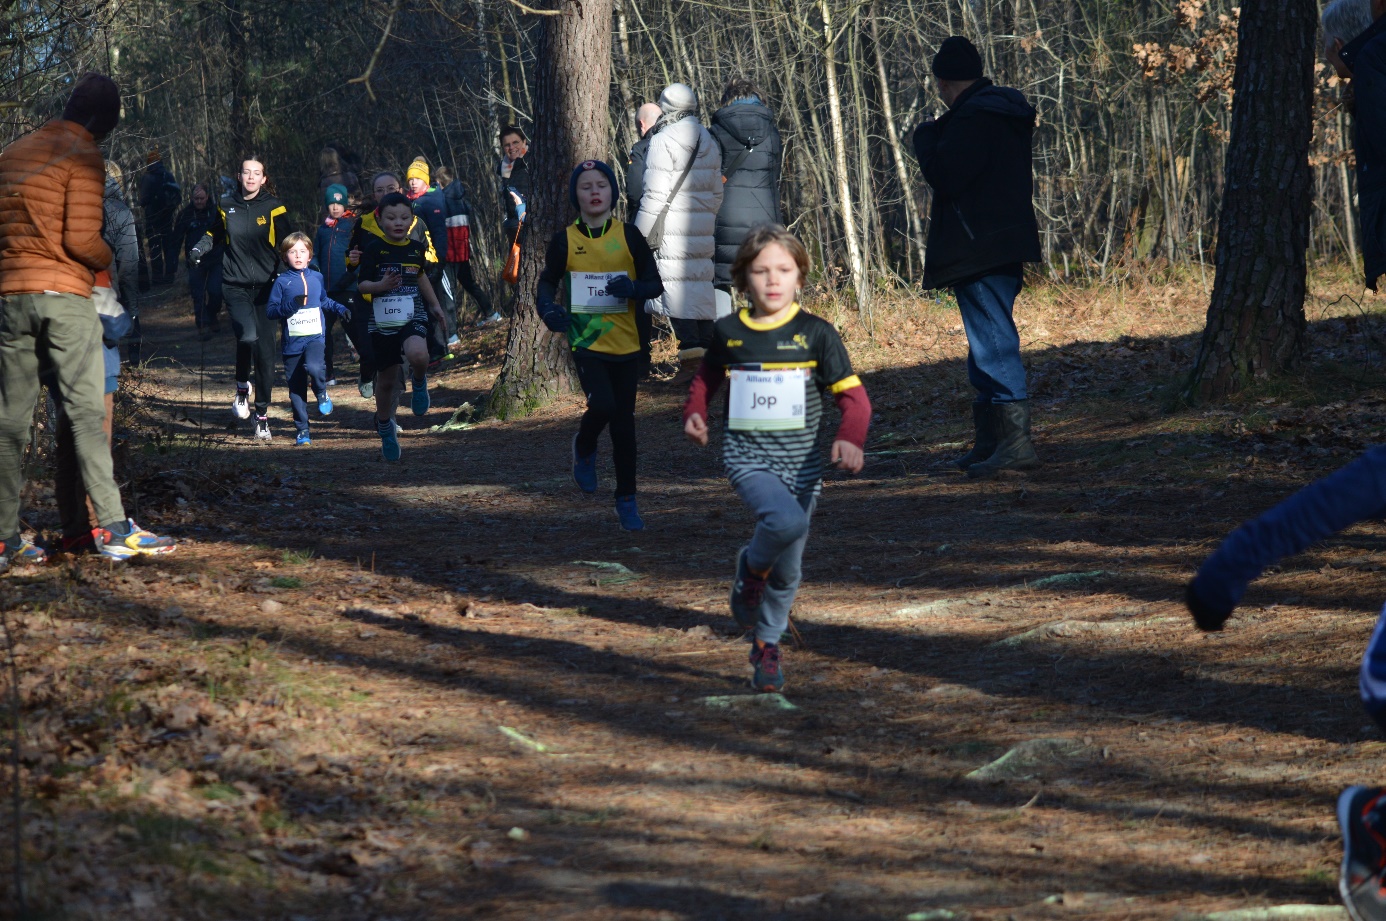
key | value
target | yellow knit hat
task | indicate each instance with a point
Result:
(417, 170)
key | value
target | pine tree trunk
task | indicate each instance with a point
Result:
(571, 120)
(1256, 322)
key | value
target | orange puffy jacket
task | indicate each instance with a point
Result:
(51, 181)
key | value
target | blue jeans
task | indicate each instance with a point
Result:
(782, 529)
(204, 285)
(303, 368)
(993, 343)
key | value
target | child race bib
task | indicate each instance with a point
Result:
(767, 401)
(588, 293)
(306, 322)
(391, 311)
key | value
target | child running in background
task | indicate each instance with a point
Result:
(605, 272)
(298, 300)
(1341, 499)
(780, 361)
(400, 299)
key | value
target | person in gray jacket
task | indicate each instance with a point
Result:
(751, 156)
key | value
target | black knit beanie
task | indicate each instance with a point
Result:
(957, 59)
(94, 104)
(583, 167)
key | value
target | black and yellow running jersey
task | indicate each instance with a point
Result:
(778, 373)
(392, 310)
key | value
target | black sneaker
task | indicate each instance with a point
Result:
(1364, 853)
(748, 591)
(769, 676)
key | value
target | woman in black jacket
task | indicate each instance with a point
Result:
(751, 156)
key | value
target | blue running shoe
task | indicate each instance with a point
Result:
(769, 676)
(420, 402)
(21, 551)
(324, 404)
(122, 543)
(584, 469)
(629, 514)
(303, 439)
(1360, 883)
(389, 440)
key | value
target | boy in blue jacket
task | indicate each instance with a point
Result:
(331, 243)
(299, 300)
(1339, 500)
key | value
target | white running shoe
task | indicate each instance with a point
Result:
(262, 432)
(240, 406)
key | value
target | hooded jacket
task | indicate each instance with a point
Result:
(331, 243)
(51, 183)
(685, 254)
(458, 218)
(119, 234)
(432, 210)
(751, 195)
(977, 159)
(1366, 55)
(251, 229)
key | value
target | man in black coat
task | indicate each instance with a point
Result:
(982, 228)
(751, 153)
(645, 118)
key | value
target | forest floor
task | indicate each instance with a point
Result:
(420, 691)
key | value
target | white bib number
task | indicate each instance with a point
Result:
(588, 291)
(306, 322)
(767, 401)
(392, 311)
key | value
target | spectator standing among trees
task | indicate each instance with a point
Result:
(1352, 44)
(515, 180)
(751, 157)
(977, 158)
(458, 258)
(645, 118)
(682, 191)
(51, 212)
(195, 221)
(160, 197)
(253, 221)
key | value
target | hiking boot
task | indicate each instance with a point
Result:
(240, 406)
(21, 551)
(628, 513)
(262, 432)
(1364, 839)
(1014, 450)
(123, 542)
(389, 439)
(366, 389)
(769, 676)
(747, 593)
(420, 401)
(984, 423)
(324, 404)
(303, 438)
(584, 469)
(689, 362)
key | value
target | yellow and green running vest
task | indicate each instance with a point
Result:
(607, 333)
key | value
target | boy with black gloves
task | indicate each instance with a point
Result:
(1339, 500)
(598, 273)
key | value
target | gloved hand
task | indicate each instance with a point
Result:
(554, 316)
(201, 249)
(621, 286)
(1209, 617)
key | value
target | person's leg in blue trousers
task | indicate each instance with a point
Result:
(782, 529)
(993, 343)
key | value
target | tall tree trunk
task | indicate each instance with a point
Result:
(1255, 322)
(892, 133)
(571, 120)
(237, 62)
(855, 260)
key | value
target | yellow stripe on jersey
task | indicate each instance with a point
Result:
(847, 383)
(786, 365)
(273, 214)
(750, 321)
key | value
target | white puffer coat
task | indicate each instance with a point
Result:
(685, 256)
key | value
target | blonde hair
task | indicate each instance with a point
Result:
(756, 241)
(292, 240)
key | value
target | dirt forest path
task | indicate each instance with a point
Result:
(454, 688)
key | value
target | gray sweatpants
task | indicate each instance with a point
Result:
(782, 527)
(62, 334)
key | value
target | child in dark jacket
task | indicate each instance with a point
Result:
(331, 243)
(1339, 500)
(299, 300)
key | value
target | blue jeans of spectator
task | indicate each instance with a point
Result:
(304, 368)
(204, 286)
(993, 343)
(782, 529)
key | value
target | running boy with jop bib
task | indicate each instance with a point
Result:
(780, 360)
(400, 301)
